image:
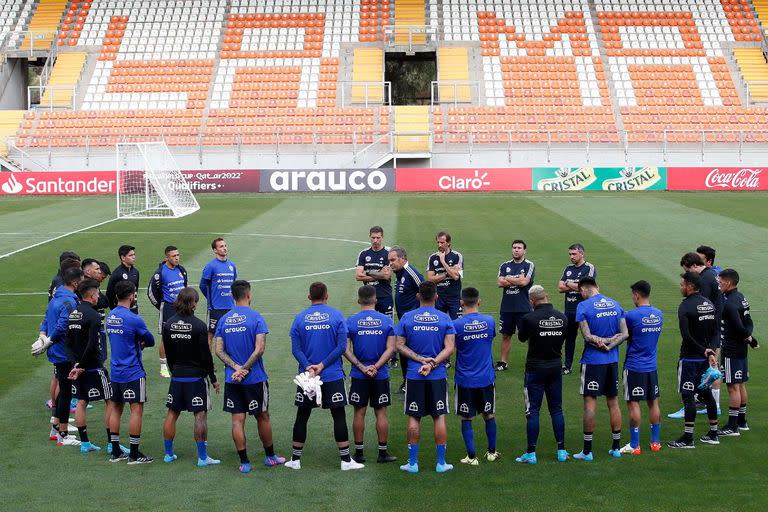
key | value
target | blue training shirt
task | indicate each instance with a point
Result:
(372, 260)
(319, 335)
(216, 283)
(127, 331)
(603, 315)
(514, 299)
(368, 330)
(424, 330)
(238, 329)
(449, 289)
(406, 288)
(171, 283)
(474, 350)
(644, 324)
(55, 323)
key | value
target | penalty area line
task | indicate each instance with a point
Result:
(263, 280)
(313, 274)
(38, 244)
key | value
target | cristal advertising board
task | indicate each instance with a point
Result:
(599, 178)
(463, 180)
(717, 178)
(104, 182)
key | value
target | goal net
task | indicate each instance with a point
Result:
(150, 184)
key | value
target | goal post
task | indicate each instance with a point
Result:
(150, 184)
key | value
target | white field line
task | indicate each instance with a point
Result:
(38, 244)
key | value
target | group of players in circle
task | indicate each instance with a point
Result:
(437, 317)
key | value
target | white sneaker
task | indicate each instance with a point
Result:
(68, 441)
(71, 428)
(346, 466)
(627, 448)
(293, 464)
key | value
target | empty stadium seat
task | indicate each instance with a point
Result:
(222, 72)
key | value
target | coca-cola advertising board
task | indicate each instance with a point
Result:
(717, 178)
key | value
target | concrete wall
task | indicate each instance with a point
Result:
(13, 85)
(752, 155)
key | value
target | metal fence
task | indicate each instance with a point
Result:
(363, 147)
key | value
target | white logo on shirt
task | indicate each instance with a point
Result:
(367, 258)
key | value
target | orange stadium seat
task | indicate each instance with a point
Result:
(547, 71)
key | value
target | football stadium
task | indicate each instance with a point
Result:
(220, 216)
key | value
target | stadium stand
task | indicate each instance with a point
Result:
(248, 72)
(10, 120)
(63, 81)
(44, 24)
(754, 68)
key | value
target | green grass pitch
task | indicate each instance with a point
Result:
(273, 238)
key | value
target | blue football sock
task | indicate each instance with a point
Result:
(413, 454)
(169, 446)
(655, 429)
(634, 437)
(469, 437)
(202, 450)
(441, 454)
(490, 432)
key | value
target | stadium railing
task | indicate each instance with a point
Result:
(365, 93)
(39, 41)
(392, 33)
(59, 97)
(363, 148)
(454, 92)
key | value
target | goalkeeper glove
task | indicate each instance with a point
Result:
(710, 377)
(41, 344)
